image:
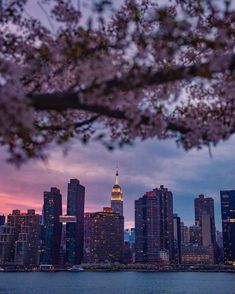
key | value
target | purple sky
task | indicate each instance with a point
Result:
(142, 167)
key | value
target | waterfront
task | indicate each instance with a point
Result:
(116, 283)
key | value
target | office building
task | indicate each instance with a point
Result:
(19, 240)
(177, 239)
(205, 206)
(228, 225)
(52, 210)
(107, 236)
(75, 230)
(154, 226)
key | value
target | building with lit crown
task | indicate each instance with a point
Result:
(117, 197)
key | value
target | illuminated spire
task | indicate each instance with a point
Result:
(116, 178)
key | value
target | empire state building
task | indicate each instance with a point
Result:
(117, 197)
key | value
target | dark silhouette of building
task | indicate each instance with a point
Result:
(195, 235)
(87, 236)
(117, 196)
(205, 205)
(154, 226)
(2, 220)
(177, 239)
(107, 236)
(75, 231)
(27, 245)
(19, 240)
(205, 218)
(184, 234)
(228, 225)
(52, 210)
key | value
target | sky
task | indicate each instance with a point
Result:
(142, 167)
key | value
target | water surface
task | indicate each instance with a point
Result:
(116, 283)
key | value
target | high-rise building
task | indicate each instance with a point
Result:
(19, 239)
(87, 236)
(184, 234)
(107, 236)
(52, 210)
(27, 245)
(117, 196)
(205, 205)
(195, 235)
(177, 239)
(75, 231)
(205, 218)
(228, 225)
(154, 226)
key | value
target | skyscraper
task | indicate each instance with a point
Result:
(177, 239)
(26, 247)
(205, 218)
(75, 231)
(154, 226)
(205, 205)
(228, 225)
(52, 209)
(20, 238)
(107, 236)
(117, 196)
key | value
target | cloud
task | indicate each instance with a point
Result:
(142, 167)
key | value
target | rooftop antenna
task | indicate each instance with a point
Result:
(116, 176)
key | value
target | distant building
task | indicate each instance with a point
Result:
(52, 210)
(129, 246)
(2, 220)
(228, 225)
(19, 240)
(197, 255)
(219, 239)
(75, 230)
(26, 247)
(87, 237)
(185, 238)
(107, 236)
(177, 239)
(195, 235)
(117, 196)
(205, 218)
(154, 225)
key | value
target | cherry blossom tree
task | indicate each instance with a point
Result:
(143, 70)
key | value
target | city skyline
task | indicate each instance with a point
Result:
(140, 167)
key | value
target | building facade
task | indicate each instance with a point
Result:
(117, 197)
(154, 226)
(107, 236)
(52, 227)
(19, 240)
(228, 225)
(205, 206)
(75, 231)
(177, 239)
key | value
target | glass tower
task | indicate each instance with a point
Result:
(228, 225)
(75, 231)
